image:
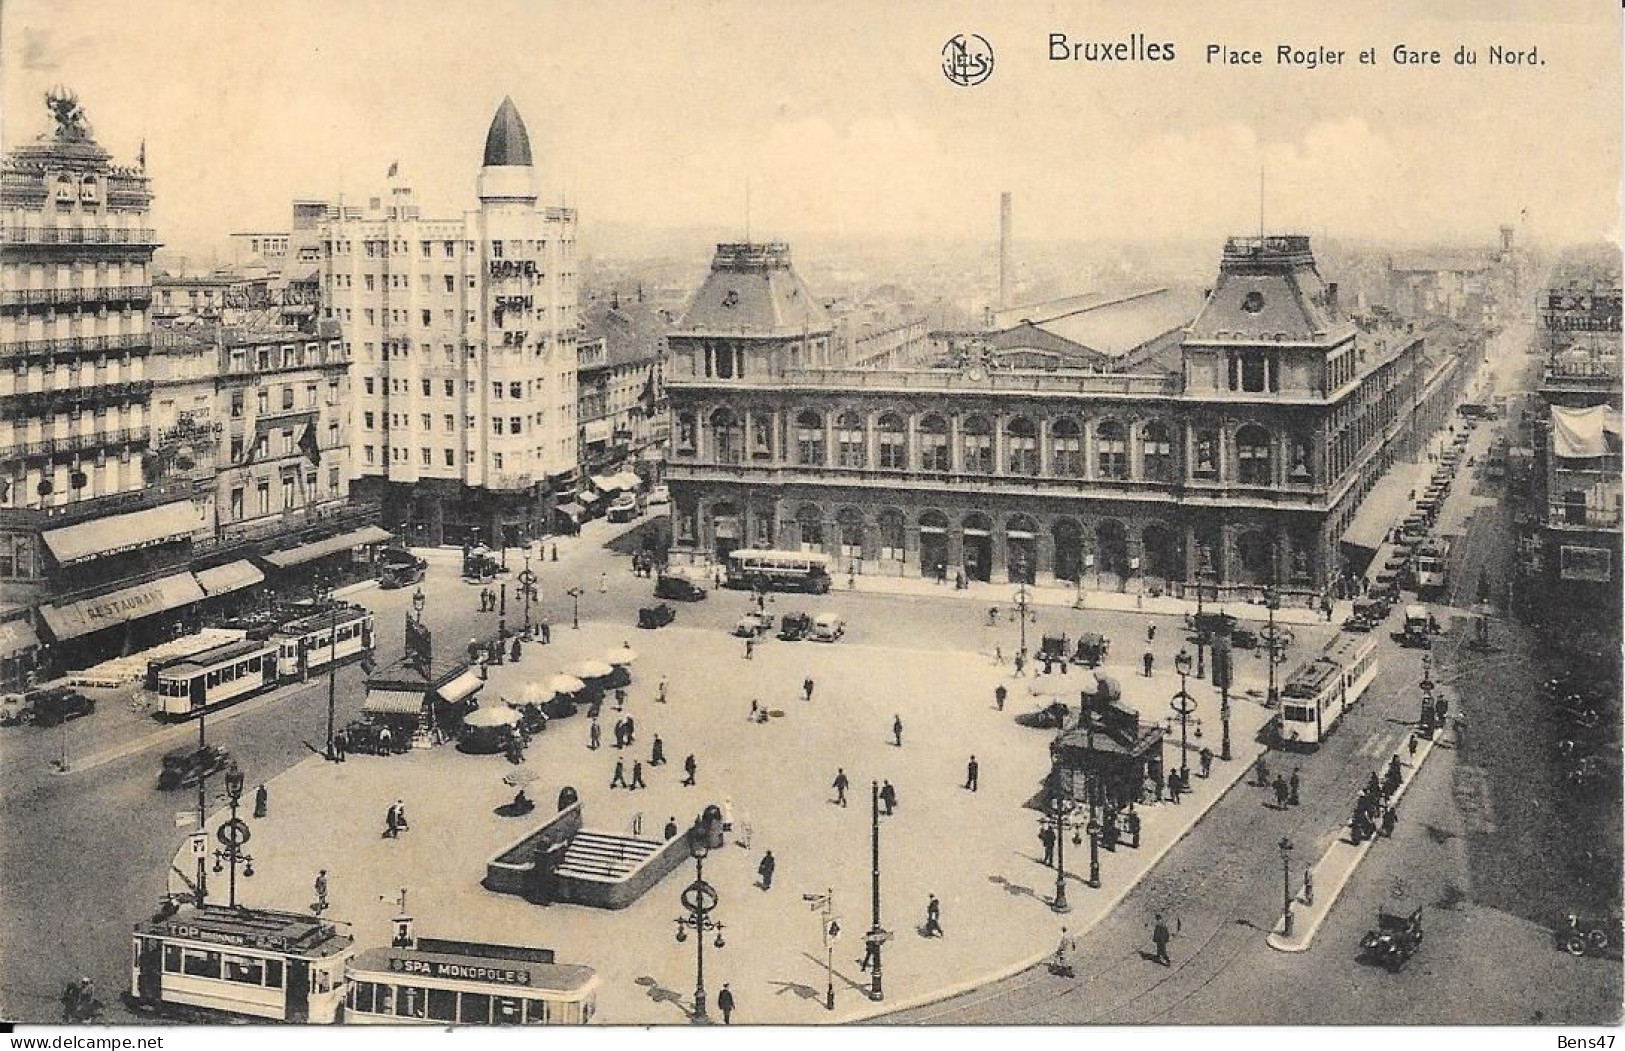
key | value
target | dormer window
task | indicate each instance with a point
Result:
(1253, 303)
(731, 300)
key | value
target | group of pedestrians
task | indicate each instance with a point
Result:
(1374, 807)
(1285, 788)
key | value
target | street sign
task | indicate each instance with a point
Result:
(200, 845)
(833, 931)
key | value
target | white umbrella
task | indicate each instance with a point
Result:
(566, 684)
(594, 670)
(534, 693)
(624, 655)
(522, 776)
(482, 718)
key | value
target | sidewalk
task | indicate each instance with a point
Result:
(775, 777)
(1337, 866)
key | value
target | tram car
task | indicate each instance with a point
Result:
(307, 644)
(213, 963)
(431, 981)
(1320, 690)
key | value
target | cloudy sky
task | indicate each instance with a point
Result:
(839, 117)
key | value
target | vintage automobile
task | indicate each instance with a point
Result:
(1052, 648)
(659, 496)
(15, 708)
(1092, 649)
(623, 508)
(1359, 623)
(480, 568)
(656, 616)
(756, 622)
(1244, 638)
(1053, 716)
(1590, 935)
(827, 627)
(793, 627)
(1209, 623)
(402, 574)
(1417, 632)
(57, 705)
(187, 766)
(680, 588)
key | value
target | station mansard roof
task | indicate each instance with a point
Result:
(1270, 291)
(752, 290)
(507, 143)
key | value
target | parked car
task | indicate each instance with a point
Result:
(624, 508)
(15, 708)
(187, 766)
(56, 706)
(1091, 649)
(827, 627)
(756, 622)
(680, 588)
(793, 627)
(402, 574)
(656, 616)
(1243, 638)
(659, 495)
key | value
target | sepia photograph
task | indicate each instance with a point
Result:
(888, 516)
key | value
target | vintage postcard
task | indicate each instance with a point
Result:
(931, 514)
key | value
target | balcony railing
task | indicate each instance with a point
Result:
(69, 393)
(845, 379)
(75, 344)
(73, 235)
(1580, 516)
(69, 443)
(29, 297)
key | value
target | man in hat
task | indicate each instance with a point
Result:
(765, 870)
(840, 785)
(618, 779)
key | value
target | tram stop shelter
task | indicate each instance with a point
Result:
(1108, 749)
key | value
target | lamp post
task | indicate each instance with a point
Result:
(700, 899)
(1183, 704)
(527, 586)
(1063, 818)
(1272, 602)
(1224, 722)
(233, 834)
(502, 623)
(202, 804)
(575, 607)
(1286, 886)
(1023, 599)
(876, 935)
(419, 600)
(830, 929)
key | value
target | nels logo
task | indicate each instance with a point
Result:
(967, 59)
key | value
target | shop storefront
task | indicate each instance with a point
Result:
(120, 621)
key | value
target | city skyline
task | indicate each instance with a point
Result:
(828, 126)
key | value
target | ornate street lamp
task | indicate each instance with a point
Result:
(877, 935)
(233, 834)
(1272, 602)
(575, 607)
(1063, 818)
(1286, 885)
(1183, 704)
(419, 600)
(700, 899)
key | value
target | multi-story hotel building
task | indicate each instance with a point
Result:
(463, 337)
(621, 392)
(1237, 458)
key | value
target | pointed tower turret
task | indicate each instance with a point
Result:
(508, 173)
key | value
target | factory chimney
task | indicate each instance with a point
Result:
(1006, 270)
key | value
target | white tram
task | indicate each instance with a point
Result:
(1318, 693)
(216, 963)
(188, 685)
(439, 982)
(307, 644)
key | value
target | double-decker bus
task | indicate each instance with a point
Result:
(778, 570)
(220, 964)
(1320, 690)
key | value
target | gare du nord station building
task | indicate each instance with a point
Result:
(1234, 452)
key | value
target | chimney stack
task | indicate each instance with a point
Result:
(1331, 299)
(1006, 277)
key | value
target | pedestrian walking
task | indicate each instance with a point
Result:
(998, 655)
(1174, 786)
(595, 735)
(547, 631)
(631, 731)
(897, 730)
(1021, 663)
(620, 699)
(1205, 757)
(973, 771)
(1149, 660)
(1159, 938)
(341, 745)
(725, 1004)
(933, 918)
(840, 785)
(1389, 819)
(1151, 633)
(1292, 788)
(999, 694)
(618, 779)
(262, 801)
(807, 689)
(1411, 745)
(620, 733)
(660, 691)
(888, 798)
(321, 892)
(1263, 772)
(750, 649)
(637, 775)
(690, 768)
(1133, 822)
(657, 752)
(1281, 791)
(765, 870)
(671, 827)
(1046, 836)
(871, 952)
(392, 822)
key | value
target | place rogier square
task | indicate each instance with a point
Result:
(926, 522)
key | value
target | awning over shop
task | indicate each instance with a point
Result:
(392, 702)
(233, 576)
(595, 431)
(1384, 505)
(605, 483)
(15, 637)
(1583, 434)
(73, 619)
(586, 497)
(344, 541)
(572, 511)
(461, 688)
(126, 532)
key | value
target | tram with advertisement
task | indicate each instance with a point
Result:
(288, 648)
(440, 982)
(758, 568)
(222, 964)
(1322, 689)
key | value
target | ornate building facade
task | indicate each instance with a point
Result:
(1240, 465)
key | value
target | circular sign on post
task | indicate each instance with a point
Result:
(527, 578)
(234, 833)
(699, 896)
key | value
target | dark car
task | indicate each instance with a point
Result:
(679, 588)
(187, 766)
(1244, 638)
(1053, 716)
(793, 627)
(55, 707)
(402, 574)
(656, 616)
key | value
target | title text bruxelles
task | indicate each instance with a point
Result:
(1134, 49)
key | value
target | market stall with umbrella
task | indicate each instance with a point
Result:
(596, 674)
(620, 662)
(565, 692)
(488, 729)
